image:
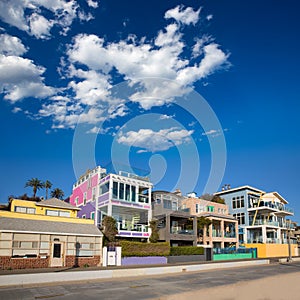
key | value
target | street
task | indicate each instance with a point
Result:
(254, 282)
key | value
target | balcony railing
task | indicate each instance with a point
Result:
(176, 230)
(276, 206)
(265, 222)
(132, 227)
(230, 234)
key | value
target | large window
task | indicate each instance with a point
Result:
(57, 213)
(133, 192)
(210, 208)
(238, 202)
(127, 192)
(25, 210)
(240, 217)
(104, 188)
(115, 190)
(167, 204)
(121, 191)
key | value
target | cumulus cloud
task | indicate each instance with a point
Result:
(153, 141)
(183, 15)
(138, 60)
(21, 78)
(11, 45)
(28, 15)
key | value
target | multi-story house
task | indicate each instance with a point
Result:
(176, 225)
(223, 230)
(124, 196)
(47, 234)
(261, 215)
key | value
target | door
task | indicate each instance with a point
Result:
(57, 257)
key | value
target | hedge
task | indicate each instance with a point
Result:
(144, 249)
(186, 250)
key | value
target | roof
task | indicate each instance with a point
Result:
(244, 187)
(47, 227)
(277, 195)
(54, 202)
(208, 214)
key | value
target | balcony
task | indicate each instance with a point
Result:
(264, 222)
(275, 207)
(230, 235)
(133, 230)
(176, 230)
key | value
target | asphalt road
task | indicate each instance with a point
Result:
(154, 287)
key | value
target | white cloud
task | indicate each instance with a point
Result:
(153, 141)
(27, 15)
(166, 117)
(215, 133)
(11, 45)
(21, 78)
(16, 110)
(161, 58)
(40, 26)
(92, 3)
(209, 17)
(185, 16)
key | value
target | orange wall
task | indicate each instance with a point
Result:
(273, 250)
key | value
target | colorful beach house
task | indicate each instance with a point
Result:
(47, 234)
(262, 220)
(124, 196)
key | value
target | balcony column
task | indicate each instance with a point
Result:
(168, 228)
(210, 232)
(195, 229)
(264, 234)
(222, 233)
(149, 200)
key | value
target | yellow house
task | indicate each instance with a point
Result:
(47, 234)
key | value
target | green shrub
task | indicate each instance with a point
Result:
(186, 250)
(144, 249)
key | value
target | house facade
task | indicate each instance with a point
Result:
(223, 230)
(176, 225)
(47, 234)
(261, 216)
(125, 197)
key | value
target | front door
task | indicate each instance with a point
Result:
(57, 257)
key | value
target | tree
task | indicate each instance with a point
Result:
(109, 229)
(202, 223)
(47, 186)
(154, 237)
(57, 193)
(218, 199)
(36, 185)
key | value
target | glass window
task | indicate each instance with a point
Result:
(51, 212)
(64, 213)
(174, 205)
(115, 190)
(104, 188)
(93, 215)
(121, 190)
(133, 192)
(127, 192)
(167, 204)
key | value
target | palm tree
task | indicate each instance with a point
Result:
(47, 186)
(36, 184)
(57, 193)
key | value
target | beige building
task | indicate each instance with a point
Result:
(223, 230)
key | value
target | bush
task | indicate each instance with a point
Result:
(186, 250)
(144, 249)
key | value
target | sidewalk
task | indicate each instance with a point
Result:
(43, 276)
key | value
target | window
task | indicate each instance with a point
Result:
(104, 188)
(25, 210)
(93, 215)
(76, 200)
(174, 205)
(133, 192)
(210, 208)
(167, 204)
(240, 217)
(57, 213)
(158, 201)
(84, 198)
(115, 190)
(94, 194)
(238, 202)
(127, 192)
(83, 217)
(121, 190)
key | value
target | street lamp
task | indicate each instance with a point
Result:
(289, 241)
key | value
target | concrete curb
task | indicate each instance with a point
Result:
(42, 278)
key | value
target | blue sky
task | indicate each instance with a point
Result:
(199, 93)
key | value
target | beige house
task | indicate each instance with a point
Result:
(223, 230)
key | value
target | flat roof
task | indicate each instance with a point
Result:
(244, 187)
